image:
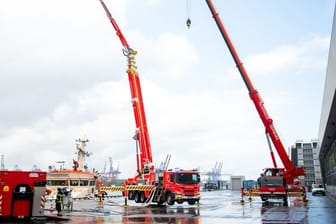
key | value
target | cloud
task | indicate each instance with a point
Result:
(189, 126)
(167, 56)
(51, 51)
(197, 127)
(175, 54)
(299, 57)
(63, 77)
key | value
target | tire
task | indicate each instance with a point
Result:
(142, 197)
(191, 202)
(137, 196)
(263, 198)
(131, 195)
(285, 201)
(170, 199)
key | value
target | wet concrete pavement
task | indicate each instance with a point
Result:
(321, 210)
(215, 207)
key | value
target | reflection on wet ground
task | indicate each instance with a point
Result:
(161, 214)
(274, 213)
(215, 207)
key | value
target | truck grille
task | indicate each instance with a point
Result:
(189, 192)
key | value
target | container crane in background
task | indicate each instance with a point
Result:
(151, 185)
(164, 165)
(214, 176)
(215, 179)
(112, 174)
(279, 183)
(215, 173)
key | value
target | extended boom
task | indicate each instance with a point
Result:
(290, 172)
(150, 185)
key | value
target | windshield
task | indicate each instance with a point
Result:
(188, 178)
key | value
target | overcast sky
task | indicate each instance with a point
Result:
(63, 77)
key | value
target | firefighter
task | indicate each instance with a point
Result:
(59, 201)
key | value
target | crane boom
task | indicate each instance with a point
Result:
(141, 132)
(291, 170)
(151, 185)
(115, 25)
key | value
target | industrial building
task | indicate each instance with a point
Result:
(327, 128)
(306, 154)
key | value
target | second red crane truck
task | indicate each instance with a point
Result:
(279, 183)
(151, 184)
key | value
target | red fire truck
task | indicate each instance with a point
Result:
(150, 184)
(22, 194)
(274, 182)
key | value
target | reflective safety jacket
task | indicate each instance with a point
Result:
(59, 197)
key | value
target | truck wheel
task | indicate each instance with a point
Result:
(263, 198)
(285, 201)
(191, 202)
(170, 199)
(142, 197)
(137, 196)
(131, 195)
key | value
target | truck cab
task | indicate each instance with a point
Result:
(271, 181)
(181, 186)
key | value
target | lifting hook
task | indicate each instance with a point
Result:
(188, 22)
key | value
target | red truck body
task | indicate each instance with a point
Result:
(181, 186)
(22, 194)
